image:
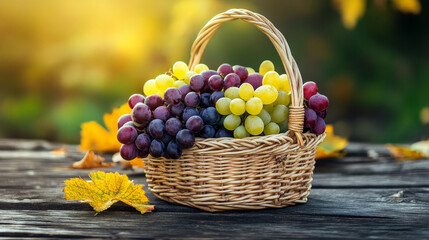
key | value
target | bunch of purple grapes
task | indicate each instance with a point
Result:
(163, 127)
(315, 109)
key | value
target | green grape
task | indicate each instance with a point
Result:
(254, 125)
(201, 67)
(250, 70)
(284, 126)
(284, 83)
(271, 78)
(222, 106)
(265, 116)
(240, 132)
(267, 93)
(269, 107)
(178, 83)
(245, 91)
(237, 106)
(231, 122)
(279, 113)
(254, 106)
(163, 82)
(149, 87)
(180, 69)
(188, 76)
(232, 93)
(283, 98)
(271, 128)
(265, 67)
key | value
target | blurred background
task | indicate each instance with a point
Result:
(66, 62)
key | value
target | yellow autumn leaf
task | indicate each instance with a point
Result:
(351, 11)
(106, 189)
(97, 138)
(332, 145)
(408, 6)
(414, 151)
(90, 161)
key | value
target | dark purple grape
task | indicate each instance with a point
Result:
(201, 111)
(310, 117)
(254, 79)
(174, 151)
(143, 154)
(318, 102)
(172, 95)
(309, 88)
(322, 114)
(162, 113)
(319, 127)
(173, 126)
(134, 99)
(222, 132)
(231, 80)
(192, 99)
(156, 148)
(208, 131)
(129, 151)
(208, 73)
(154, 101)
(195, 124)
(124, 119)
(241, 72)
(177, 110)
(210, 116)
(166, 139)
(215, 83)
(184, 89)
(216, 96)
(143, 142)
(156, 128)
(205, 100)
(197, 82)
(185, 138)
(189, 112)
(206, 88)
(127, 134)
(141, 114)
(225, 69)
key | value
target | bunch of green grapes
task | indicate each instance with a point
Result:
(261, 111)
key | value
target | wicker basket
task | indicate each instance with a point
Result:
(251, 173)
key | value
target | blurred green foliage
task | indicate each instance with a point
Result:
(65, 63)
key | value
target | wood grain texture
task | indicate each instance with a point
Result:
(355, 197)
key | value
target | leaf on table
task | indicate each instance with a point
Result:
(414, 151)
(332, 146)
(90, 161)
(59, 151)
(97, 138)
(105, 189)
(128, 165)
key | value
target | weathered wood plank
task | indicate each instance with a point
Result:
(255, 224)
(355, 197)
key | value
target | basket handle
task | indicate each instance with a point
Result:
(296, 109)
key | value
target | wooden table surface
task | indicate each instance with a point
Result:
(366, 194)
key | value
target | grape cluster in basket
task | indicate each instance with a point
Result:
(182, 104)
(315, 109)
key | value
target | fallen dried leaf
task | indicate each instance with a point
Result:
(414, 151)
(59, 151)
(105, 189)
(332, 145)
(95, 137)
(128, 165)
(90, 161)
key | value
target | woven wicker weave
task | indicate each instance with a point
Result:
(251, 173)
